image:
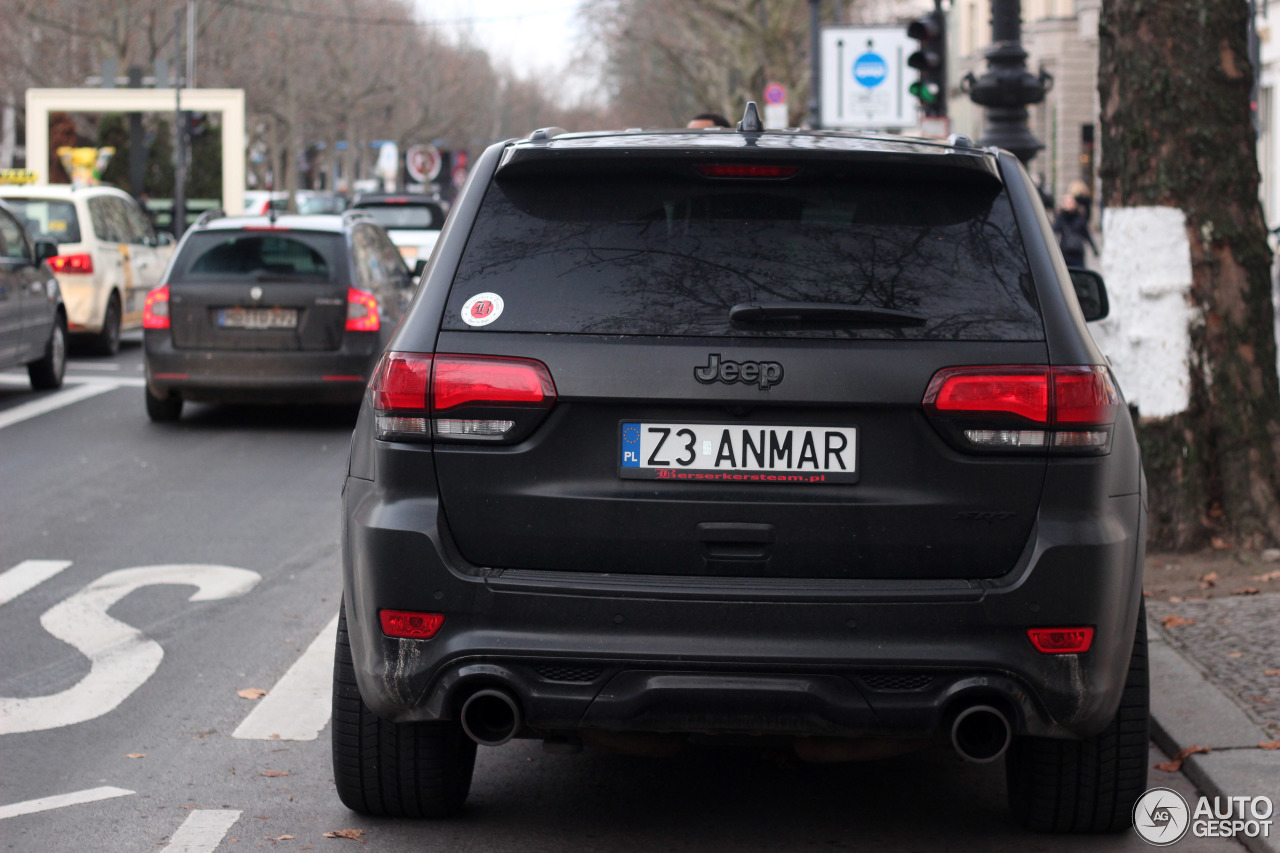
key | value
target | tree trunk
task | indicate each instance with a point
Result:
(1174, 83)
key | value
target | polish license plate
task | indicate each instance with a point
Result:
(257, 318)
(738, 453)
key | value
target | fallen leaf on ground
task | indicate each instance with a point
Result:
(1219, 544)
(1174, 599)
(1268, 576)
(1235, 654)
(136, 755)
(280, 837)
(1173, 620)
(274, 773)
(251, 693)
(1208, 580)
(1269, 744)
(353, 834)
(1175, 764)
(1245, 590)
(1271, 672)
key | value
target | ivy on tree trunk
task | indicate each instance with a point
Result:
(1174, 82)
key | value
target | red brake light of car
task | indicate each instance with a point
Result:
(79, 263)
(414, 626)
(462, 380)
(1061, 641)
(264, 228)
(399, 396)
(747, 170)
(362, 311)
(1024, 408)
(155, 311)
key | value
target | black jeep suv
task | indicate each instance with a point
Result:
(798, 435)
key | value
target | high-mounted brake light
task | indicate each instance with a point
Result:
(1061, 641)
(747, 170)
(1025, 408)
(155, 311)
(362, 311)
(411, 625)
(79, 263)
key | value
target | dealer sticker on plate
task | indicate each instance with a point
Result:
(739, 453)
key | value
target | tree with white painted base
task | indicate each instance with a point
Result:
(1186, 257)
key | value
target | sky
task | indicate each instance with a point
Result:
(533, 37)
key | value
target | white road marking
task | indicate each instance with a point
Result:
(75, 798)
(72, 364)
(27, 575)
(121, 658)
(298, 707)
(53, 402)
(202, 831)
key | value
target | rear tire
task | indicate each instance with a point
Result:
(107, 341)
(393, 769)
(1089, 785)
(163, 409)
(46, 373)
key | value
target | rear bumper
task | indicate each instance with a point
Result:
(760, 656)
(86, 302)
(240, 376)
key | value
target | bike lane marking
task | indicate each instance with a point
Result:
(299, 705)
(27, 575)
(53, 402)
(44, 804)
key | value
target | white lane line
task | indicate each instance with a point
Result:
(202, 831)
(19, 380)
(121, 658)
(298, 707)
(72, 364)
(45, 804)
(27, 575)
(43, 406)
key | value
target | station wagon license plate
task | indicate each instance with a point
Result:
(738, 453)
(257, 318)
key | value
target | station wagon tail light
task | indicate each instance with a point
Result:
(1060, 410)
(1061, 641)
(78, 263)
(410, 625)
(362, 311)
(418, 397)
(155, 311)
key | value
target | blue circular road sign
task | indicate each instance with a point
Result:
(870, 69)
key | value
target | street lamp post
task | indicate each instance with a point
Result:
(1007, 87)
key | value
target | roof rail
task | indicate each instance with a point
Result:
(542, 134)
(207, 217)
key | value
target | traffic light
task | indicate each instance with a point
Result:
(931, 61)
(197, 124)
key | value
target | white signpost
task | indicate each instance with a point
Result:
(865, 78)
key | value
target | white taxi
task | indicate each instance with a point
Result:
(109, 255)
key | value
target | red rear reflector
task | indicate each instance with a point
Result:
(82, 263)
(1014, 391)
(362, 311)
(747, 170)
(405, 623)
(1061, 641)
(491, 381)
(155, 311)
(400, 382)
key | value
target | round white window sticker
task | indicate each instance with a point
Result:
(482, 309)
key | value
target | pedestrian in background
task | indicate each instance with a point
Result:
(1071, 227)
(704, 120)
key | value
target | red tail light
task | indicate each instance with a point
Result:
(155, 311)
(1061, 641)
(486, 397)
(1024, 408)
(362, 311)
(405, 623)
(747, 170)
(81, 263)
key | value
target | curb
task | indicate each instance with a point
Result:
(1188, 709)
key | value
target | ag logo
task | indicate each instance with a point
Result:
(1161, 817)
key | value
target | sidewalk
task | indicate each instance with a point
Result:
(1209, 687)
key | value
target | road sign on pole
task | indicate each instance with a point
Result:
(422, 163)
(865, 79)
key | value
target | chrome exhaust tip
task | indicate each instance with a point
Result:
(981, 734)
(490, 717)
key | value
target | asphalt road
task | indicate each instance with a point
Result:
(120, 691)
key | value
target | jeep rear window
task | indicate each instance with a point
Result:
(247, 255)
(664, 255)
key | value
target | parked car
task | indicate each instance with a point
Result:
(33, 320)
(264, 309)
(109, 255)
(412, 221)
(308, 202)
(786, 435)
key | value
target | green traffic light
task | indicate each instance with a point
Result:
(924, 92)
